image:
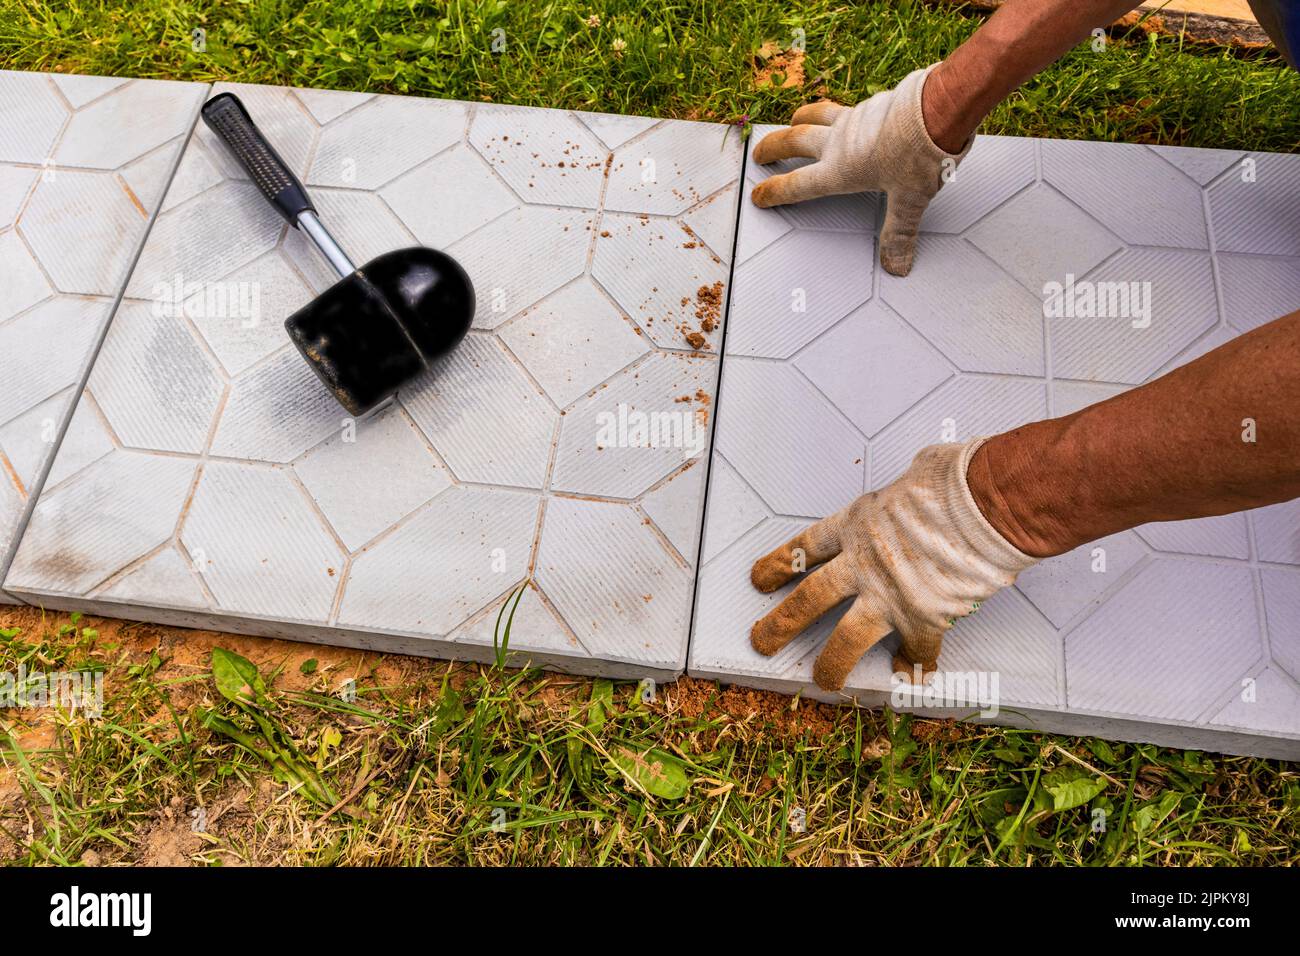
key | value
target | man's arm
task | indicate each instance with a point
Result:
(1173, 448)
(1019, 40)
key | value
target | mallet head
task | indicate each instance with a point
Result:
(377, 327)
(382, 325)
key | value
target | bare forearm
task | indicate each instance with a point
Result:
(1217, 435)
(1021, 38)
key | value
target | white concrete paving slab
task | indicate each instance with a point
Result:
(211, 480)
(835, 374)
(84, 161)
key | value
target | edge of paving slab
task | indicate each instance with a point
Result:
(1179, 735)
(380, 642)
(12, 596)
(711, 445)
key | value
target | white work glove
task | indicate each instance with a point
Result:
(916, 555)
(880, 145)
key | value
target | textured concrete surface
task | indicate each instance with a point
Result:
(210, 479)
(835, 374)
(83, 162)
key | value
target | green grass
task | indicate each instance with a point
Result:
(436, 763)
(451, 763)
(680, 59)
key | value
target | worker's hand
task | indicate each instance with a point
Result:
(880, 145)
(915, 556)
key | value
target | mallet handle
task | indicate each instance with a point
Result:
(227, 117)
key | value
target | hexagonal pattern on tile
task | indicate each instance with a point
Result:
(463, 406)
(1281, 587)
(194, 240)
(327, 105)
(92, 526)
(33, 116)
(378, 141)
(1257, 289)
(154, 383)
(615, 584)
(643, 425)
(787, 440)
(714, 221)
(80, 90)
(25, 440)
(674, 167)
(1270, 705)
(74, 223)
(1258, 210)
(1061, 587)
(448, 197)
(1067, 240)
(1164, 634)
(276, 411)
(86, 441)
(742, 512)
(367, 479)
(796, 289)
(961, 409)
(166, 578)
(873, 345)
(256, 540)
(613, 129)
(15, 183)
(197, 172)
(655, 270)
(522, 256)
(996, 168)
(1199, 630)
(1128, 189)
(1203, 165)
(674, 508)
(25, 344)
(1008, 638)
(596, 341)
(762, 227)
(1128, 318)
(1223, 536)
(534, 629)
(468, 547)
(980, 318)
(1277, 532)
(546, 156)
(24, 284)
(130, 121)
(241, 317)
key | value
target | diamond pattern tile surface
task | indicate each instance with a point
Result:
(84, 161)
(563, 444)
(1050, 275)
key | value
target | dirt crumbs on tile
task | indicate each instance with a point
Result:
(708, 311)
(708, 302)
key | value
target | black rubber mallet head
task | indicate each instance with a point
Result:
(378, 326)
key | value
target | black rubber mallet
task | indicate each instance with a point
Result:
(378, 326)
